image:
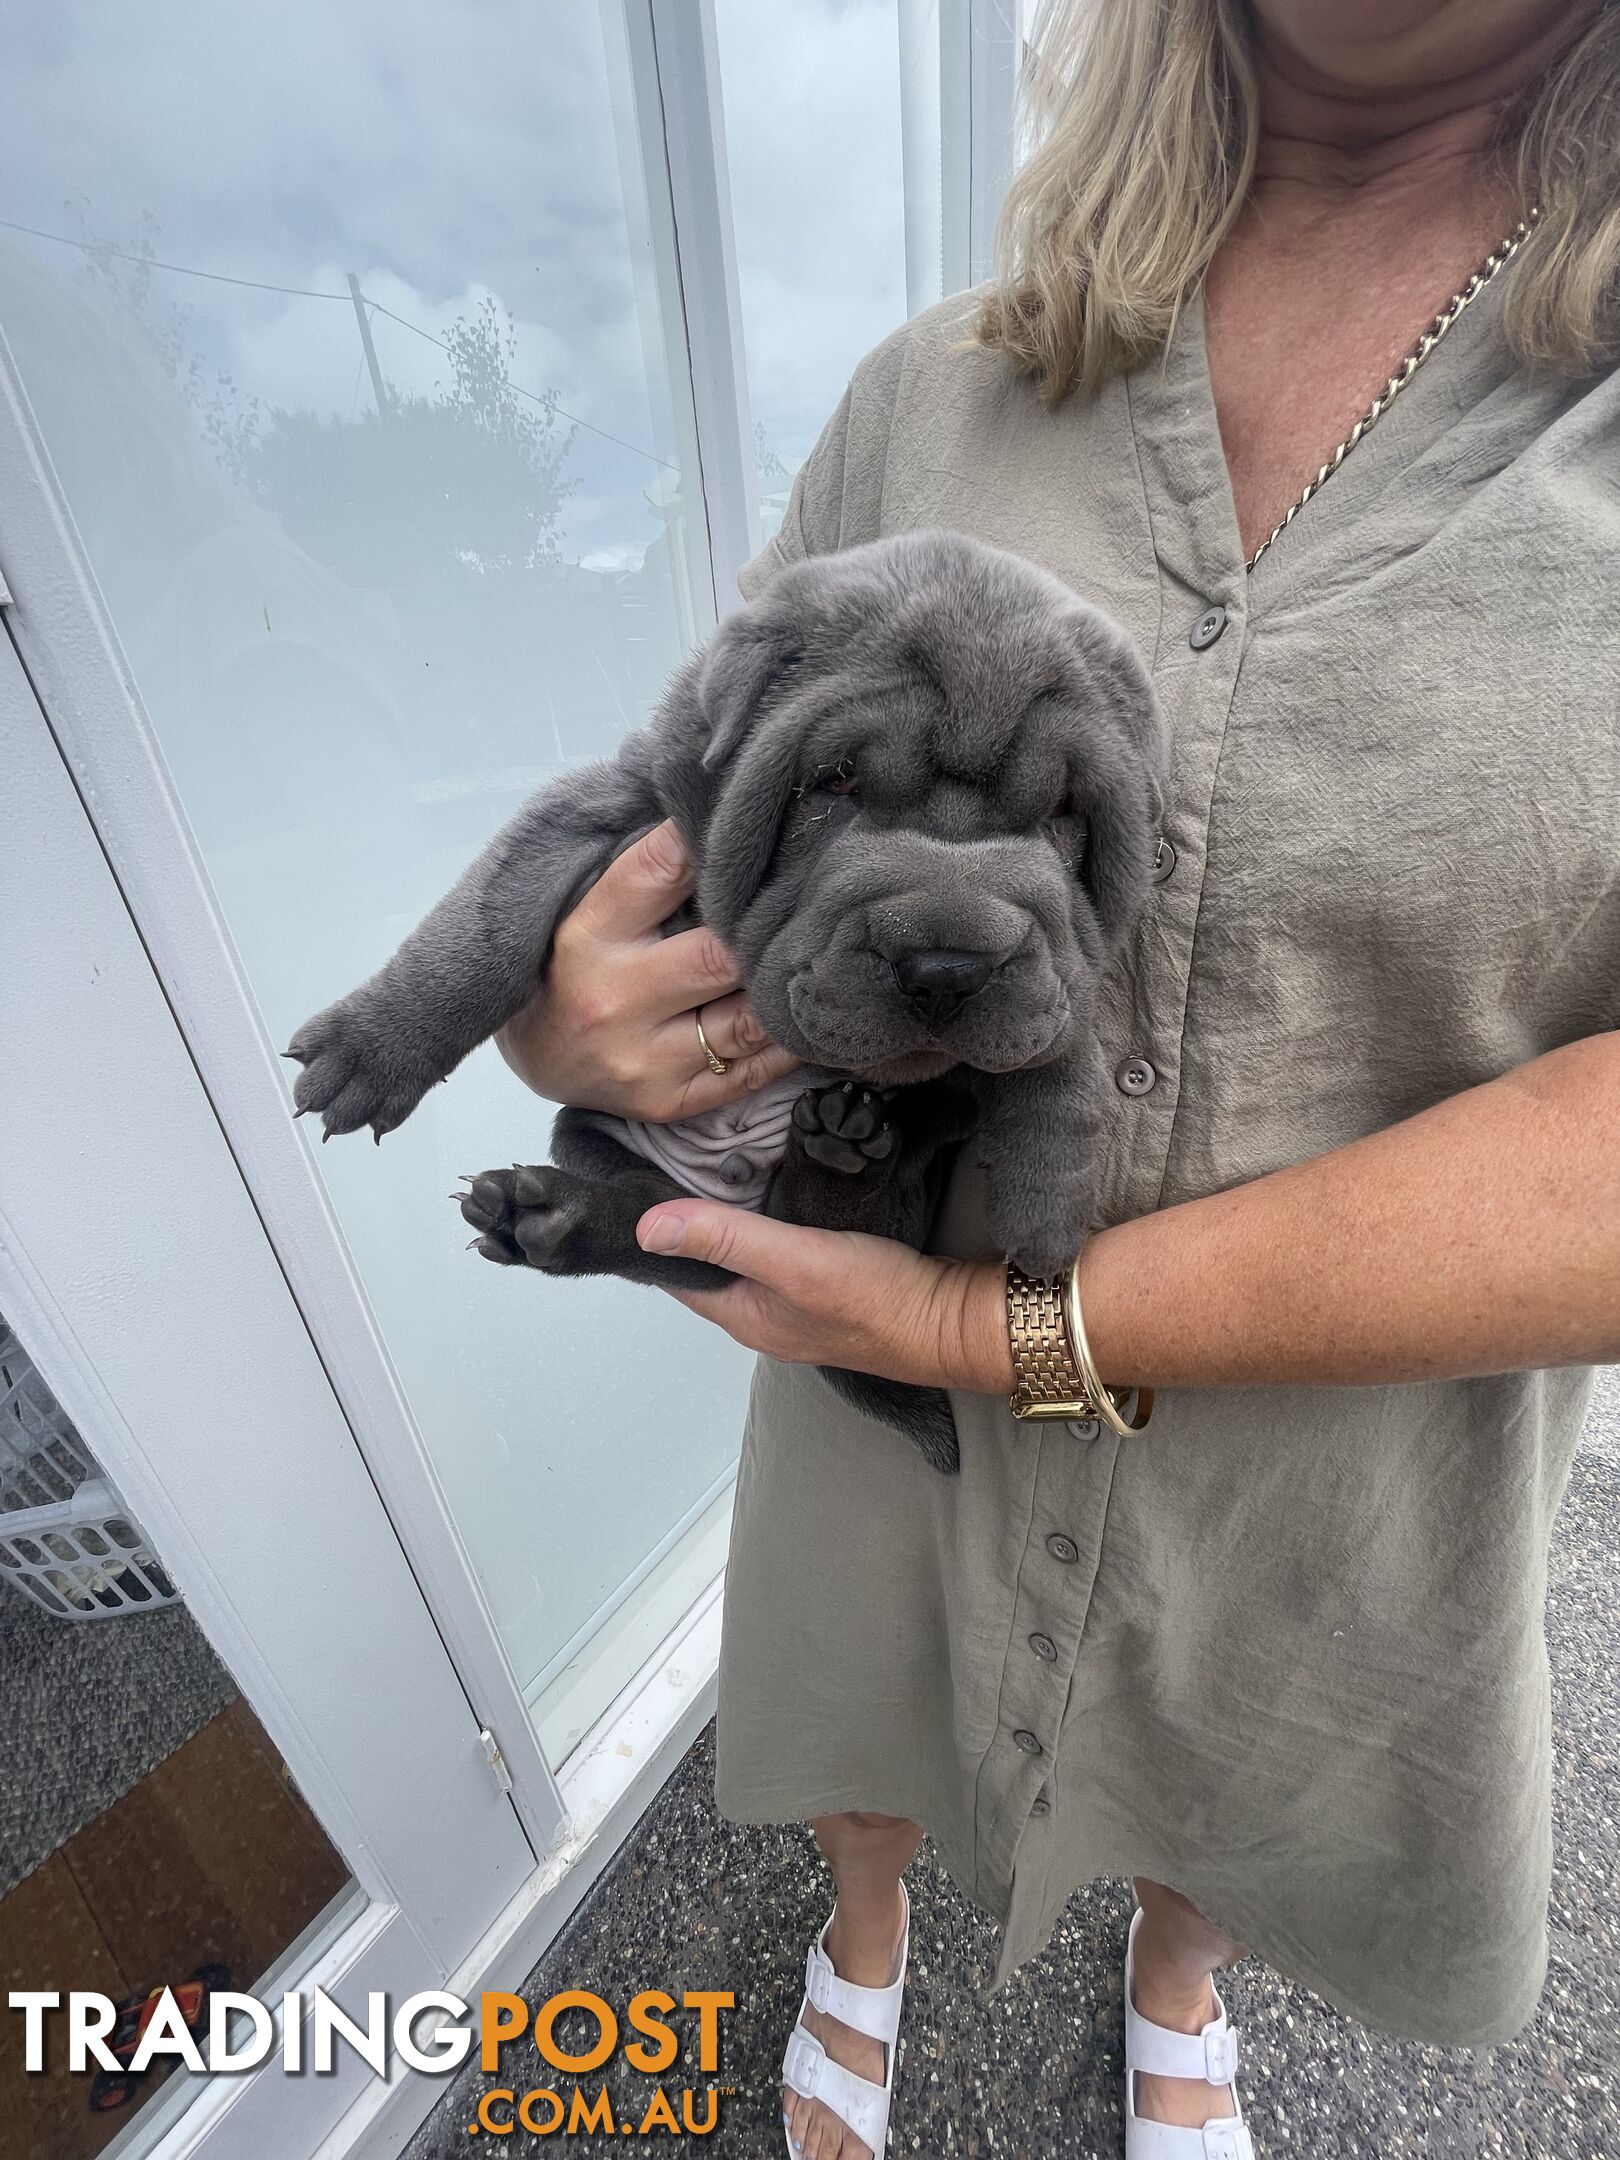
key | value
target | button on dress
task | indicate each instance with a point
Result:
(1282, 1650)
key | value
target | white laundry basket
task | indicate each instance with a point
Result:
(66, 1540)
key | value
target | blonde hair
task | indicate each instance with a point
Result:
(1145, 120)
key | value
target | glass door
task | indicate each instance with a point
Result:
(354, 338)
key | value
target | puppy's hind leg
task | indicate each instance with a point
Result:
(923, 1414)
(875, 1160)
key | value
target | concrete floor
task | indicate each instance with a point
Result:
(692, 1901)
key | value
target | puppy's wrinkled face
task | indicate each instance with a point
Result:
(933, 793)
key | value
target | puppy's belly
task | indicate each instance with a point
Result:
(729, 1154)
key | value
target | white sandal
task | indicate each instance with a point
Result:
(1210, 2055)
(810, 2071)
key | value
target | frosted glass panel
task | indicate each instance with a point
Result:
(350, 334)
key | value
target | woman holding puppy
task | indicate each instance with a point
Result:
(1277, 1656)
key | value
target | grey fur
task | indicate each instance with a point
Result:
(1007, 754)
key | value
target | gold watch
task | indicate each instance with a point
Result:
(1054, 1373)
(1047, 1381)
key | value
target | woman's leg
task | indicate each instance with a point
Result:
(867, 1855)
(1177, 1953)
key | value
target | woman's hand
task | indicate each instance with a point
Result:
(614, 1024)
(837, 1297)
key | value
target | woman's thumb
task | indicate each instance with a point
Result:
(728, 1237)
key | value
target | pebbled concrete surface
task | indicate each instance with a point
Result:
(695, 1902)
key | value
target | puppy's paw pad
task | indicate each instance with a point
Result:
(846, 1127)
(523, 1215)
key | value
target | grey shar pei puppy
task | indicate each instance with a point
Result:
(921, 781)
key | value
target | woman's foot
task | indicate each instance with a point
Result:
(864, 1946)
(1175, 1953)
(1166, 2000)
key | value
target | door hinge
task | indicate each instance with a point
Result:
(497, 1761)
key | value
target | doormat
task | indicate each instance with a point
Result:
(87, 1709)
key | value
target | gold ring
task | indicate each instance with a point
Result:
(717, 1064)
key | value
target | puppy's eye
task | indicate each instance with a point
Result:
(1068, 835)
(836, 779)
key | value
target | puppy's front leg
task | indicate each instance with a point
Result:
(867, 1158)
(1038, 1143)
(472, 962)
(875, 1160)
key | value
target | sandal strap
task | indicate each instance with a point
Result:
(1227, 2140)
(858, 2104)
(873, 2011)
(1209, 2056)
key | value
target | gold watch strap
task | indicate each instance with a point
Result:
(1047, 1381)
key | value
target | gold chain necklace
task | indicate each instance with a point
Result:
(1494, 262)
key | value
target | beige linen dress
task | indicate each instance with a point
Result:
(1284, 1649)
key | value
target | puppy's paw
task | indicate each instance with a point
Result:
(526, 1216)
(358, 1069)
(845, 1127)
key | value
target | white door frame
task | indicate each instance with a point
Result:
(65, 637)
(972, 49)
(675, 66)
(138, 1273)
(198, 1387)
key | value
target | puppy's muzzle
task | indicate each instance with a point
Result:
(938, 983)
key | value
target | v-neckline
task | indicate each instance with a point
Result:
(1177, 427)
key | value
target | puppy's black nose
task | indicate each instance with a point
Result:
(940, 983)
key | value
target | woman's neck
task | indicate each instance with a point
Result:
(1442, 174)
(1386, 119)
(1370, 206)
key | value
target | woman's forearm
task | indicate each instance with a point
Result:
(1482, 1235)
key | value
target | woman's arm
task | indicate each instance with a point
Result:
(1480, 1236)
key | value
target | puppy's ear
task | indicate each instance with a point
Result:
(1120, 805)
(1116, 769)
(746, 826)
(753, 653)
